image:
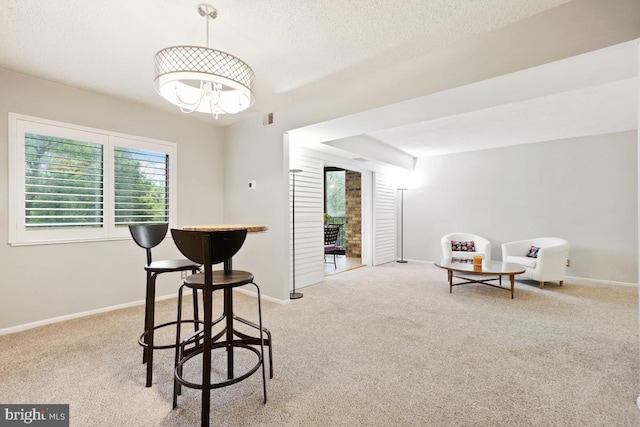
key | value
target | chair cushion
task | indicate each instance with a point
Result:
(522, 260)
(329, 248)
(458, 246)
(533, 252)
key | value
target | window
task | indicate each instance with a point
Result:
(141, 186)
(63, 183)
(335, 201)
(334, 192)
(71, 183)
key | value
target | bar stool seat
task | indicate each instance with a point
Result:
(159, 267)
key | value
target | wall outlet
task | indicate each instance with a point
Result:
(568, 263)
(184, 274)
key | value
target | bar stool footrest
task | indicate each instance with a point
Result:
(190, 353)
(254, 340)
(141, 339)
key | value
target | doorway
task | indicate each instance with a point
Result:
(343, 207)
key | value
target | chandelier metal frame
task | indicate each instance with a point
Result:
(202, 79)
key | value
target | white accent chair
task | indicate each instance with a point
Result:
(482, 246)
(551, 263)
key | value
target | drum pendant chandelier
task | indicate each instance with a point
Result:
(202, 79)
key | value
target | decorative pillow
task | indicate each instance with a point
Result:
(533, 252)
(463, 246)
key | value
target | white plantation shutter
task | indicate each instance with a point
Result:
(62, 183)
(141, 185)
(71, 183)
(310, 221)
(309, 231)
(384, 221)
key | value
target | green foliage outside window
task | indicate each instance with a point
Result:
(64, 184)
(141, 186)
(335, 191)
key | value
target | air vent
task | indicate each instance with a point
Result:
(360, 159)
(268, 119)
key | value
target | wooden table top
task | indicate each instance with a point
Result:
(487, 267)
(251, 228)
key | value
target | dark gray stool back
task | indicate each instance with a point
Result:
(148, 236)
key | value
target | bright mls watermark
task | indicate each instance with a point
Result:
(34, 415)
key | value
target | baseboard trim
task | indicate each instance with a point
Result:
(263, 297)
(27, 326)
(587, 281)
(52, 320)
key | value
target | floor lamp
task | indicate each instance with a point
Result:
(402, 260)
(294, 294)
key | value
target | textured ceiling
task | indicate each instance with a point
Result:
(108, 45)
(589, 94)
(607, 108)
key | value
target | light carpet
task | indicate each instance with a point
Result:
(375, 346)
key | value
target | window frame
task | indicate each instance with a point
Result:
(20, 124)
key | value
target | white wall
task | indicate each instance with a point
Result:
(262, 152)
(43, 282)
(257, 153)
(584, 190)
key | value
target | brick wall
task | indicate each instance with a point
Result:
(353, 213)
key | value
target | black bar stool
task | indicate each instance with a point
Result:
(210, 248)
(148, 236)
